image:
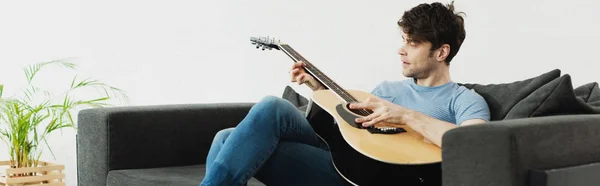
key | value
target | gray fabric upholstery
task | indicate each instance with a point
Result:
(555, 98)
(180, 176)
(582, 175)
(296, 99)
(149, 136)
(501, 98)
(500, 153)
(589, 93)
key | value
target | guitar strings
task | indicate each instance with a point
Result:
(316, 72)
(345, 95)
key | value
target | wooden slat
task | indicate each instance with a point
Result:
(55, 180)
(34, 169)
(40, 163)
(29, 179)
(48, 184)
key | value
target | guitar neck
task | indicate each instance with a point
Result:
(317, 74)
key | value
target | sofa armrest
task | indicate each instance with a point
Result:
(501, 153)
(149, 136)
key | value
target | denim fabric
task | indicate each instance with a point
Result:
(275, 144)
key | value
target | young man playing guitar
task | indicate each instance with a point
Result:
(277, 145)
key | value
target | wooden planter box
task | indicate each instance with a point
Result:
(46, 174)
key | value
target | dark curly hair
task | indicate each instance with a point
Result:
(436, 23)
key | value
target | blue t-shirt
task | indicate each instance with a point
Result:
(448, 102)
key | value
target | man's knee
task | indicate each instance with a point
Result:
(272, 102)
(222, 135)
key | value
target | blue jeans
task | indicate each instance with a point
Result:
(275, 144)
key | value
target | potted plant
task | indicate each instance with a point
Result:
(26, 122)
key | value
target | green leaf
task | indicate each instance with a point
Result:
(73, 81)
(71, 122)
(1, 90)
(48, 145)
(32, 70)
(93, 102)
(4, 134)
(88, 82)
(31, 91)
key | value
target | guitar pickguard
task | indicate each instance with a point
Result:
(348, 116)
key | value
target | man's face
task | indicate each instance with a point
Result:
(417, 60)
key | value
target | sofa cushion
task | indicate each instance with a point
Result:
(581, 175)
(501, 98)
(291, 95)
(554, 98)
(296, 99)
(589, 93)
(181, 176)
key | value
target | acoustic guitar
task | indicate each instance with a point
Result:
(363, 156)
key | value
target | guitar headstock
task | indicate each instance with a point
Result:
(265, 43)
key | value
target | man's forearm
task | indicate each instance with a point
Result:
(431, 128)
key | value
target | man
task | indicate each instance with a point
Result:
(276, 144)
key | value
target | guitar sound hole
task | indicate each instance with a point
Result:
(360, 112)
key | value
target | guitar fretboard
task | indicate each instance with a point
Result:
(320, 76)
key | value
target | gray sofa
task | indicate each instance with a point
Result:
(543, 132)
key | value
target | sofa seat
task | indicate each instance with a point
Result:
(180, 176)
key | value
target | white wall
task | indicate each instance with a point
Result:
(170, 52)
(37, 31)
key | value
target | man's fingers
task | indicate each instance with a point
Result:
(368, 118)
(371, 99)
(362, 105)
(294, 74)
(300, 79)
(296, 70)
(369, 103)
(297, 65)
(372, 122)
(356, 105)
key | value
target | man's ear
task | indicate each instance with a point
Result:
(444, 51)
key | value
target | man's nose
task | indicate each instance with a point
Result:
(401, 51)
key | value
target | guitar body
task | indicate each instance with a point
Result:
(363, 158)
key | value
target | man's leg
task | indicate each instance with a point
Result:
(253, 141)
(299, 164)
(431, 175)
(216, 145)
